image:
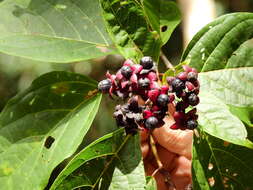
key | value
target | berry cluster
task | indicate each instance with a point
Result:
(140, 80)
(186, 87)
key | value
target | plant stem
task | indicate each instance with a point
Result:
(166, 61)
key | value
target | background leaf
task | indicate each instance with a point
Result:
(218, 44)
(222, 52)
(129, 29)
(220, 165)
(163, 15)
(44, 125)
(151, 183)
(53, 31)
(111, 162)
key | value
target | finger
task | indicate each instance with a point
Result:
(167, 158)
(181, 175)
(144, 149)
(144, 135)
(177, 141)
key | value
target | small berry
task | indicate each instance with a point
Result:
(164, 89)
(192, 76)
(143, 83)
(153, 94)
(163, 100)
(181, 106)
(182, 76)
(147, 62)
(133, 104)
(170, 79)
(189, 86)
(151, 122)
(187, 68)
(171, 97)
(193, 99)
(179, 116)
(104, 85)
(177, 85)
(126, 71)
(191, 124)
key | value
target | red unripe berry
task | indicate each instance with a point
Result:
(147, 114)
(189, 86)
(172, 97)
(170, 79)
(182, 76)
(175, 126)
(179, 116)
(153, 94)
(187, 68)
(164, 89)
(152, 76)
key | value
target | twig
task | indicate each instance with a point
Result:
(166, 61)
(154, 150)
(167, 180)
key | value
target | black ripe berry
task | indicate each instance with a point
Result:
(147, 62)
(126, 71)
(151, 122)
(193, 99)
(191, 124)
(192, 76)
(143, 83)
(177, 85)
(104, 85)
(163, 100)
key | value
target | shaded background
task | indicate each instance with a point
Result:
(16, 74)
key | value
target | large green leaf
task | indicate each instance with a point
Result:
(111, 162)
(44, 125)
(163, 15)
(216, 45)
(53, 30)
(223, 51)
(129, 29)
(216, 119)
(220, 165)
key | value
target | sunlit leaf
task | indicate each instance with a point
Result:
(111, 162)
(53, 31)
(44, 125)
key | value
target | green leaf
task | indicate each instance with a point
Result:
(164, 16)
(129, 30)
(111, 162)
(175, 71)
(150, 183)
(44, 125)
(216, 45)
(53, 31)
(220, 165)
(217, 120)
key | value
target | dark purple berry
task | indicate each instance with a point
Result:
(181, 106)
(191, 124)
(147, 62)
(133, 104)
(193, 99)
(104, 85)
(163, 100)
(126, 71)
(177, 85)
(192, 76)
(143, 83)
(151, 122)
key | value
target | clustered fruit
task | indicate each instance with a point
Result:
(133, 81)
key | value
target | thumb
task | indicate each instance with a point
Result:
(176, 141)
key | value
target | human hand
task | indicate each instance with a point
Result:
(174, 150)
